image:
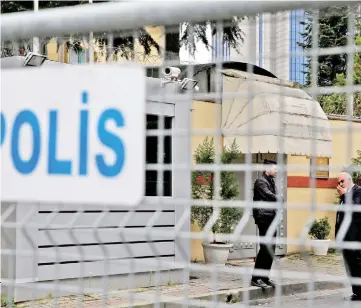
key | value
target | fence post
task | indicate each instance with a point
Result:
(18, 260)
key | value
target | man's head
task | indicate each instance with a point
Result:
(271, 167)
(345, 180)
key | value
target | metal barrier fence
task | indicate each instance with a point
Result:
(205, 147)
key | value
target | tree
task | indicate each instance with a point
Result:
(336, 103)
(203, 188)
(333, 32)
(356, 161)
(192, 34)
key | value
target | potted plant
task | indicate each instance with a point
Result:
(215, 251)
(319, 232)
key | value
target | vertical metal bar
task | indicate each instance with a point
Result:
(350, 106)
(217, 184)
(350, 82)
(71, 228)
(181, 143)
(90, 44)
(160, 190)
(314, 85)
(9, 239)
(110, 47)
(26, 212)
(105, 251)
(279, 179)
(186, 139)
(132, 284)
(252, 21)
(36, 39)
(47, 227)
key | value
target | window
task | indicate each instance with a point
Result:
(122, 47)
(296, 65)
(221, 49)
(172, 46)
(320, 164)
(78, 57)
(151, 176)
(260, 38)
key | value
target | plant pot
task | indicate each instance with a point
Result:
(320, 247)
(216, 253)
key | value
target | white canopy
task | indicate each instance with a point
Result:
(267, 115)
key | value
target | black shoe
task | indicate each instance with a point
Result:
(270, 283)
(353, 298)
(258, 283)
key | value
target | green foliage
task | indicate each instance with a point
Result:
(5, 302)
(192, 34)
(356, 175)
(336, 103)
(332, 69)
(320, 229)
(203, 187)
(333, 32)
(356, 161)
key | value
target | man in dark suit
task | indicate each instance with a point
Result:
(265, 190)
(350, 193)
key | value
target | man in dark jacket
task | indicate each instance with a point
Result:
(350, 193)
(265, 190)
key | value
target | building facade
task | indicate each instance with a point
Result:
(270, 41)
(300, 189)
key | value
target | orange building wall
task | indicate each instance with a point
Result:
(203, 118)
(299, 190)
(60, 53)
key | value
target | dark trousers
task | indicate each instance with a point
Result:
(352, 260)
(265, 255)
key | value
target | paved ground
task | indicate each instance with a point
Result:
(321, 299)
(286, 270)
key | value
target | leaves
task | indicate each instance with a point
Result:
(194, 33)
(6, 303)
(203, 187)
(333, 32)
(336, 103)
(190, 36)
(356, 175)
(320, 229)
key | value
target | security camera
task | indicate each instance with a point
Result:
(171, 72)
(189, 84)
(34, 59)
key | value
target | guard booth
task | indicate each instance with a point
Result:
(65, 248)
(270, 119)
(248, 249)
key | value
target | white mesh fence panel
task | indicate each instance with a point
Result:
(205, 147)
